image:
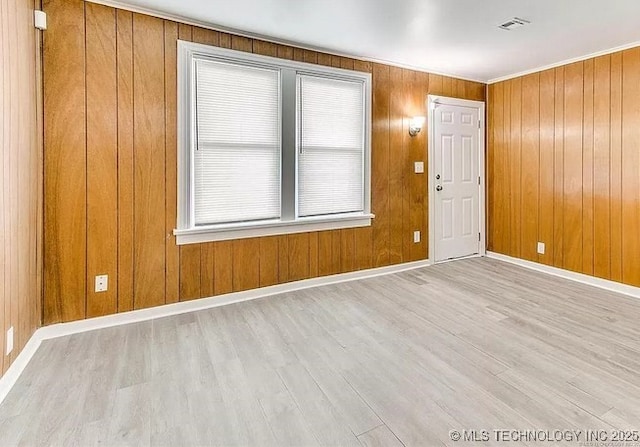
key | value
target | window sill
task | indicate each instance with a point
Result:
(229, 232)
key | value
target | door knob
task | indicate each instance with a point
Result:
(438, 177)
(438, 188)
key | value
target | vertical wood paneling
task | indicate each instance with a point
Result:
(65, 162)
(124, 49)
(380, 163)
(190, 272)
(409, 110)
(225, 40)
(587, 169)
(631, 166)
(324, 59)
(546, 180)
(415, 185)
(530, 166)
(206, 36)
(516, 164)
(573, 109)
(298, 257)
(223, 266)
(246, 264)
(151, 268)
(601, 163)
(207, 269)
(309, 56)
(435, 84)
(9, 161)
(20, 177)
(506, 137)
(325, 255)
(336, 252)
(364, 247)
(172, 252)
(39, 249)
(616, 167)
(102, 157)
(4, 214)
(241, 43)
(265, 48)
(396, 169)
(588, 178)
(313, 253)
(282, 51)
(500, 175)
(493, 111)
(283, 258)
(185, 32)
(347, 250)
(16, 161)
(268, 261)
(149, 167)
(558, 167)
(31, 173)
(423, 179)
(490, 166)
(447, 86)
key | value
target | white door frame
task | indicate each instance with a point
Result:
(432, 103)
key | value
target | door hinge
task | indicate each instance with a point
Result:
(479, 238)
(479, 180)
(478, 124)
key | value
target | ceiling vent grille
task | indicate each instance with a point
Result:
(516, 22)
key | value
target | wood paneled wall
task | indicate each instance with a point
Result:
(20, 177)
(110, 163)
(564, 166)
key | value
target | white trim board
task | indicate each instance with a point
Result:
(62, 329)
(600, 283)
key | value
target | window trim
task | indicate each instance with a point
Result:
(187, 232)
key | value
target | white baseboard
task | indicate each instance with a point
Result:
(60, 330)
(573, 276)
(19, 364)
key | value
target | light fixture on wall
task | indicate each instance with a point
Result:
(416, 125)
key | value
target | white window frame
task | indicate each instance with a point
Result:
(187, 232)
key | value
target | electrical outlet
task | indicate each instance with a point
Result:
(9, 340)
(416, 237)
(102, 283)
(418, 167)
(541, 248)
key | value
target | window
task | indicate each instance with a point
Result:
(237, 143)
(269, 146)
(331, 143)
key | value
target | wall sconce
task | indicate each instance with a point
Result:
(416, 125)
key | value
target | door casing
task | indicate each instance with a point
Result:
(432, 103)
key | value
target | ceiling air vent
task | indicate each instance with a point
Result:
(516, 22)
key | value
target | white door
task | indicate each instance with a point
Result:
(457, 182)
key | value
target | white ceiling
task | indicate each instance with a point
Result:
(454, 37)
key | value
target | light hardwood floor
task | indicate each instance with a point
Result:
(388, 361)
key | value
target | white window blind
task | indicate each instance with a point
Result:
(237, 153)
(331, 126)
